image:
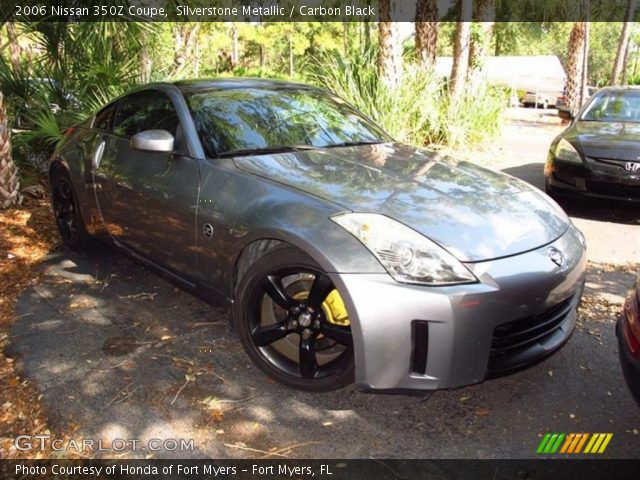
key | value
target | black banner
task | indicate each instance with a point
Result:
(307, 10)
(322, 469)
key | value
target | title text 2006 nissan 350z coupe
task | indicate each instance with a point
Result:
(343, 255)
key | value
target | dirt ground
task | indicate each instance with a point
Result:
(117, 352)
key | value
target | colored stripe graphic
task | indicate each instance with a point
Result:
(604, 445)
(573, 443)
(543, 443)
(581, 443)
(568, 442)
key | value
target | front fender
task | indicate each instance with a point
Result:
(243, 208)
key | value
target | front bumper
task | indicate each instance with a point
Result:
(409, 337)
(598, 178)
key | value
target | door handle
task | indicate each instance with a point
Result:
(97, 156)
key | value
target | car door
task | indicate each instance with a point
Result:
(148, 200)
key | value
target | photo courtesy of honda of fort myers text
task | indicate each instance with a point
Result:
(342, 240)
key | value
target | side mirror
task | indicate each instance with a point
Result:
(153, 141)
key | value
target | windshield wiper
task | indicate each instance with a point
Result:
(354, 144)
(266, 150)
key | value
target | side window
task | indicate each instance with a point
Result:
(149, 110)
(104, 119)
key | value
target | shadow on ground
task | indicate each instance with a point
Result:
(120, 353)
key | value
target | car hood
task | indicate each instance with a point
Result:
(475, 213)
(612, 140)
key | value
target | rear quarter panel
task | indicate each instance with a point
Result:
(74, 151)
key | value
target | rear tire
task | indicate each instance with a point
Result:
(67, 211)
(282, 320)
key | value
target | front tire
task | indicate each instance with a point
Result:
(67, 211)
(289, 325)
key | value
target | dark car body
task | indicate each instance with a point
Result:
(562, 103)
(609, 154)
(628, 331)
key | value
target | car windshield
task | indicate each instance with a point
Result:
(252, 120)
(617, 106)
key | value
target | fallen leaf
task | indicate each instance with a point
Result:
(482, 412)
(217, 415)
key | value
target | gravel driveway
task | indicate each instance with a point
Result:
(119, 352)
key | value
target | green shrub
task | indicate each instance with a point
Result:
(418, 111)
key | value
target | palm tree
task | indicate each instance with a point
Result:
(390, 53)
(461, 49)
(482, 33)
(575, 64)
(9, 181)
(426, 32)
(623, 44)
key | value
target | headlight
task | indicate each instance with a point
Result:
(567, 152)
(408, 256)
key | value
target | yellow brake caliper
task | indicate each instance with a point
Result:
(334, 309)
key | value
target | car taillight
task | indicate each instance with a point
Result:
(632, 324)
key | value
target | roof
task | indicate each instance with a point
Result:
(543, 73)
(620, 88)
(236, 83)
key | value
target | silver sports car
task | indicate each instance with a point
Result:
(343, 255)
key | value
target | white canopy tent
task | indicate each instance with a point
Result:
(542, 73)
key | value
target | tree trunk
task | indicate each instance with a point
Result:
(481, 36)
(584, 90)
(178, 47)
(367, 35)
(14, 48)
(9, 180)
(196, 58)
(185, 39)
(461, 49)
(345, 38)
(390, 54)
(624, 42)
(235, 49)
(426, 32)
(575, 63)
(290, 56)
(146, 65)
(625, 65)
(263, 56)
(262, 49)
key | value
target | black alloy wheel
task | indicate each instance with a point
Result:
(293, 323)
(66, 211)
